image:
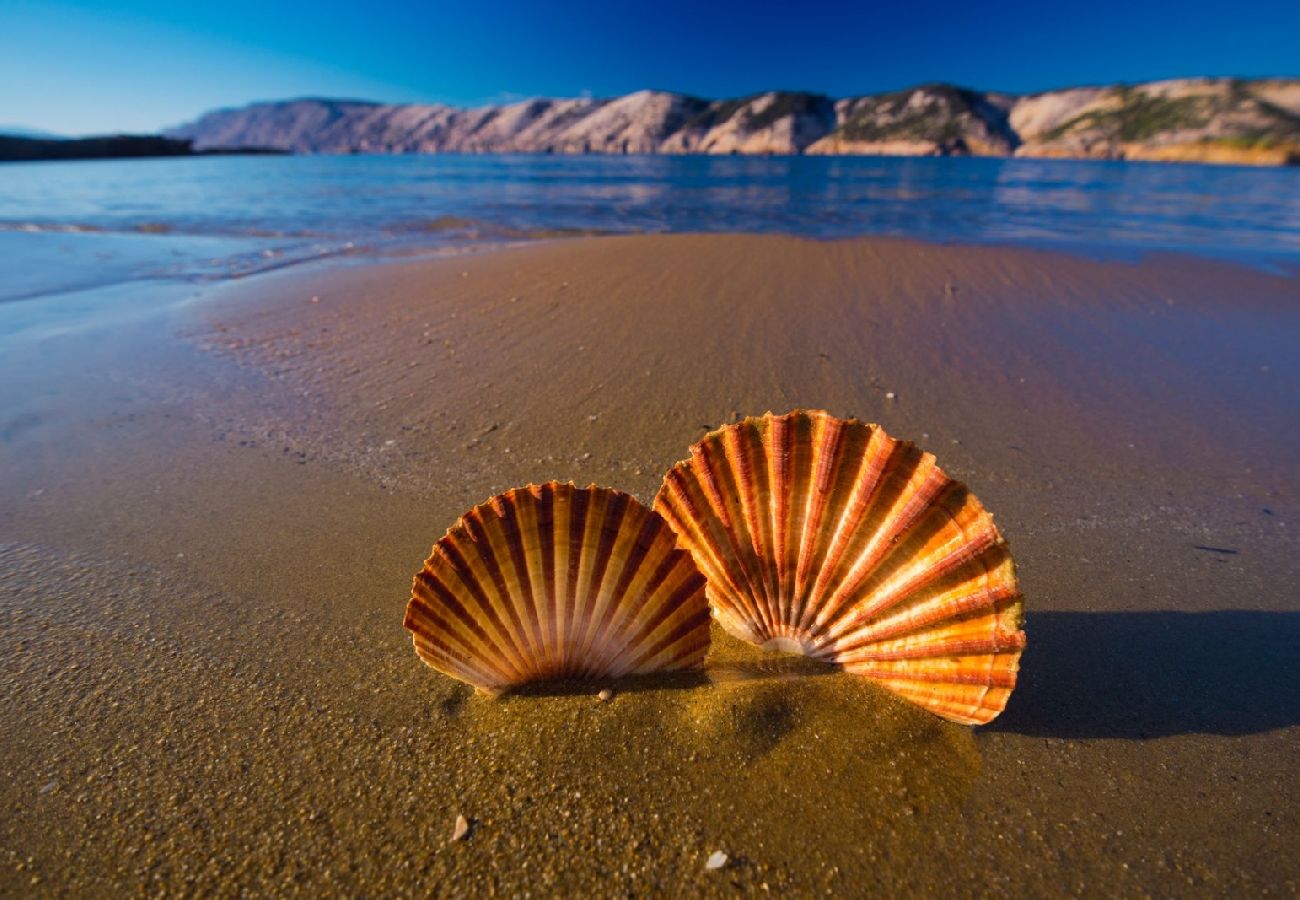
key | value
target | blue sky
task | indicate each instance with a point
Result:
(140, 65)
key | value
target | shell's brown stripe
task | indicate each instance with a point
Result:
(693, 617)
(579, 523)
(954, 558)
(429, 604)
(603, 551)
(825, 450)
(687, 653)
(445, 659)
(800, 476)
(626, 558)
(828, 457)
(681, 589)
(913, 496)
(512, 510)
(704, 469)
(440, 652)
(867, 491)
(781, 482)
(430, 595)
(562, 510)
(852, 451)
(751, 487)
(676, 482)
(937, 609)
(645, 558)
(482, 545)
(544, 499)
(537, 536)
(906, 582)
(713, 546)
(643, 594)
(737, 461)
(448, 553)
(730, 545)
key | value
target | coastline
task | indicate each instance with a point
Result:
(213, 518)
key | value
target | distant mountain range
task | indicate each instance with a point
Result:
(1217, 120)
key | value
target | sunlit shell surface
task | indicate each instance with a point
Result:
(553, 581)
(827, 537)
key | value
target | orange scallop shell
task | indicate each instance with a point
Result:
(553, 581)
(827, 537)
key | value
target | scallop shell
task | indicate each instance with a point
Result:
(553, 581)
(827, 537)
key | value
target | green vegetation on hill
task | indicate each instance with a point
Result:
(893, 117)
(782, 105)
(1140, 116)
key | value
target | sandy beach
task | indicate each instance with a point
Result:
(210, 516)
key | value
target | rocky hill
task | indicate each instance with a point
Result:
(1204, 119)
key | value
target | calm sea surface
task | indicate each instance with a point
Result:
(76, 225)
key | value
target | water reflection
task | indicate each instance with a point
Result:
(1252, 214)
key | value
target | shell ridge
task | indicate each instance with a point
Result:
(514, 569)
(720, 557)
(543, 575)
(632, 628)
(826, 451)
(584, 596)
(690, 619)
(447, 657)
(919, 568)
(486, 546)
(981, 600)
(799, 443)
(868, 484)
(469, 551)
(433, 598)
(698, 533)
(899, 590)
(632, 574)
(448, 553)
(738, 456)
(780, 483)
(904, 512)
(526, 545)
(600, 590)
(735, 544)
(561, 602)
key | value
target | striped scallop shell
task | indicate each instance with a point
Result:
(827, 537)
(553, 581)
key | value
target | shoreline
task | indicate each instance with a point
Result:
(213, 515)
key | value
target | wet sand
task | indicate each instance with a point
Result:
(211, 517)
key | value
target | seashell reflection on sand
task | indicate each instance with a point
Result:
(826, 537)
(553, 581)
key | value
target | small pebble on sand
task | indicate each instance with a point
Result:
(890, 395)
(716, 860)
(604, 695)
(460, 829)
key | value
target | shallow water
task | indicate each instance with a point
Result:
(72, 224)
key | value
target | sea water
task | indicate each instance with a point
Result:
(67, 226)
